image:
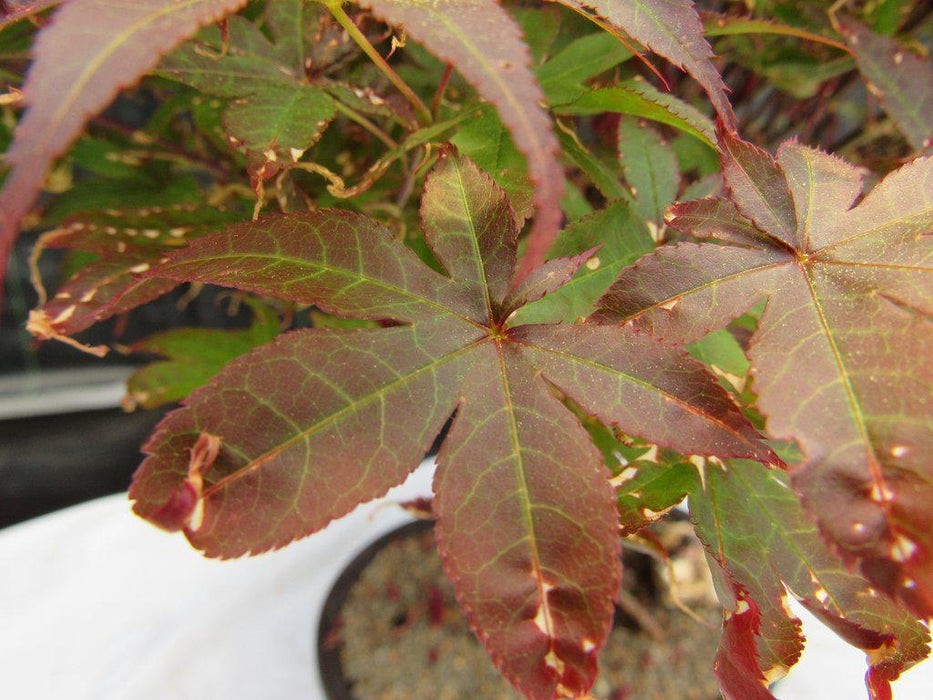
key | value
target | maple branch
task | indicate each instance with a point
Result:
(441, 88)
(154, 147)
(335, 7)
(355, 116)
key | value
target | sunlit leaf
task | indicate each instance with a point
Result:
(722, 353)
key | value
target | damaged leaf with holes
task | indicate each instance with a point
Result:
(123, 245)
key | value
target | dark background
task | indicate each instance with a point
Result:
(60, 458)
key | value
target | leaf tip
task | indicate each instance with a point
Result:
(42, 327)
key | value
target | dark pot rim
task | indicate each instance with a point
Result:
(336, 684)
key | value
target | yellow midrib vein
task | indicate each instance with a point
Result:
(525, 498)
(302, 262)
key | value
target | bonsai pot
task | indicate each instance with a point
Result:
(391, 627)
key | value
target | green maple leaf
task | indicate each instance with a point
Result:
(744, 509)
(303, 429)
(841, 357)
(192, 357)
(275, 114)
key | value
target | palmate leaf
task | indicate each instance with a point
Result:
(485, 44)
(841, 358)
(92, 49)
(902, 80)
(300, 431)
(744, 509)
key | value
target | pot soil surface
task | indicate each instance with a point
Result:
(392, 629)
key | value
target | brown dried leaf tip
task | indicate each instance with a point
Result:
(185, 507)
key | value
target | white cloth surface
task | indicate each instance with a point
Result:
(97, 604)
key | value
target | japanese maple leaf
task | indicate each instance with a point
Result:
(673, 29)
(841, 358)
(742, 509)
(303, 429)
(123, 243)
